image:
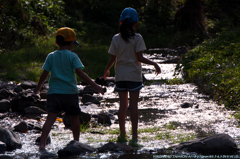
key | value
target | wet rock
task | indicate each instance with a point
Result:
(75, 148)
(34, 126)
(82, 92)
(83, 117)
(197, 106)
(11, 139)
(186, 105)
(3, 147)
(89, 88)
(18, 89)
(5, 94)
(28, 84)
(21, 127)
(6, 157)
(4, 105)
(18, 105)
(89, 98)
(48, 141)
(101, 81)
(48, 155)
(42, 103)
(104, 119)
(23, 100)
(33, 110)
(218, 144)
(111, 146)
(3, 115)
(2, 85)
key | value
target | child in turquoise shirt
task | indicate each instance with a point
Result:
(63, 92)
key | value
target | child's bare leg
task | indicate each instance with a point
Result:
(134, 112)
(122, 111)
(51, 118)
(75, 124)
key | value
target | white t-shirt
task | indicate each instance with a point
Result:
(127, 66)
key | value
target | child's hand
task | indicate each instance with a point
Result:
(158, 69)
(36, 91)
(106, 74)
(99, 89)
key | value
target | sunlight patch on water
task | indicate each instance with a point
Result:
(167, 72)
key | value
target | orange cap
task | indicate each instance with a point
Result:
(68, 34)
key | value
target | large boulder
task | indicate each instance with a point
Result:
(218, 144)
(23, 100)
(4, 105)
(11, 139)
(75, 148)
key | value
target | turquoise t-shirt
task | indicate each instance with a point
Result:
(62, 64)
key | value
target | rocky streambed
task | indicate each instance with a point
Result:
(169, 116)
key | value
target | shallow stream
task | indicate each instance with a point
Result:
(162, 120)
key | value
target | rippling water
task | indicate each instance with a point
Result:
(159, 109)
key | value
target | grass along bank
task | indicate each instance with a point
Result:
(214, 67)
(26, 63)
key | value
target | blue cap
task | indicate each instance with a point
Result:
(129, 13)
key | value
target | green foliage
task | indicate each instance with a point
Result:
(158, 14)
(23, 20)
(226, 13)
(214, 67)
(95, 59)
(26, 61)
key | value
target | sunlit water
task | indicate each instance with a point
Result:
(159, 107)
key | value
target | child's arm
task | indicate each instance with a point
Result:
(147, 61)
(87, 79)
(111, 61)
(41, 81)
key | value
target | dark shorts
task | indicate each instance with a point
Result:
(122, 86)
(69, 103)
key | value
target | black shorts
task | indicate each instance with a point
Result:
(69, 103)
(122, 86)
